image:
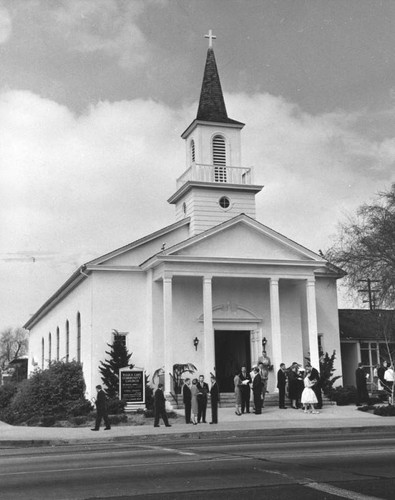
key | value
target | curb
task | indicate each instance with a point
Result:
(204, 435)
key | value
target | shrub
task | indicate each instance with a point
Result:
(7, 393)
(48, 421)
(115, 406)
(56, 392)
(385, 411)
(117, 419)
(343, 395)
(79, 420)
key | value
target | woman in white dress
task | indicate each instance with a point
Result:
(308, 395)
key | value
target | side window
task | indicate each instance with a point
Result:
(79, 337)
(67, 341)
(192, 151)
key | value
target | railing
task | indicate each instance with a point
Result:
(173, 391)
(216, 173)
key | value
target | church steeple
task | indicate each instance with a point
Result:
(215, 186)
(212, 104)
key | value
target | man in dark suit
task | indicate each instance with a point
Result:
(214, 394)
(315, 375)
(281, 383)
(203, 389)
(362, 390)
(160, 407)
(187, 399)
(245, 390)
(101, 410)
(257, 391)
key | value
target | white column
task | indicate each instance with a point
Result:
(151, 360)
(168, 330)
(312, 323)
(209, 345)
(275, 323)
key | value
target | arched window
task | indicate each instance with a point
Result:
(42, 353)
(67, 341)
(79, 337)
(219, 158)
(49, 347)
(57, 343)
(193, 151)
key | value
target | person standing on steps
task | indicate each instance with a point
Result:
(214, 395)
(101, 410)
(160, 407)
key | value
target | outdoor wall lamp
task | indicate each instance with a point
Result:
(264, 342)
(195, 342)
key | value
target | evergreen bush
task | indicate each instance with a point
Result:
(54, 393)
(109, 369)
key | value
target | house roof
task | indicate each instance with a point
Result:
(364, 324)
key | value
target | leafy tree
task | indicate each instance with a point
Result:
(365, 247)
(14, 343)
(109, 369)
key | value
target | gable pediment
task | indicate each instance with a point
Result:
(243, 240)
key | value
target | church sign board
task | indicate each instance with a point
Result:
(132, 387)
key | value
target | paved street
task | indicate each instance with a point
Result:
(355, 465)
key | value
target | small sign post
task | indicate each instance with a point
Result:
(132, 388)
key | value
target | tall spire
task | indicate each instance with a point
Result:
(211, 104)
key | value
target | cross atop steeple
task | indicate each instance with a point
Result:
(210, 37)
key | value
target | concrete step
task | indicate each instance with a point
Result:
(228, 401)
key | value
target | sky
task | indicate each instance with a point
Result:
(94, 95)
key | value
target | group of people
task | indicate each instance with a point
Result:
(195, 396)
(303, 386)
(383, 377)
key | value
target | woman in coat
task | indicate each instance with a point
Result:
(237, 382)
(194, 401)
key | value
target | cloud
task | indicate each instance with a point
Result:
(5, 25)
(104, 26)
(77, 186)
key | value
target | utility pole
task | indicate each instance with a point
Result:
(371, 293)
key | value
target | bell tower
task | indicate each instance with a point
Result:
(215, 186)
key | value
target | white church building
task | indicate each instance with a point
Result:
(221, 284)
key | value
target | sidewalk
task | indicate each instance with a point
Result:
(333, 419)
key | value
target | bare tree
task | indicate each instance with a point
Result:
(14, 343)
(365, 248)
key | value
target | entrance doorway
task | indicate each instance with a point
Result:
(232, 351)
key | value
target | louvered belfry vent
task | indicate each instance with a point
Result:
(219, 158)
